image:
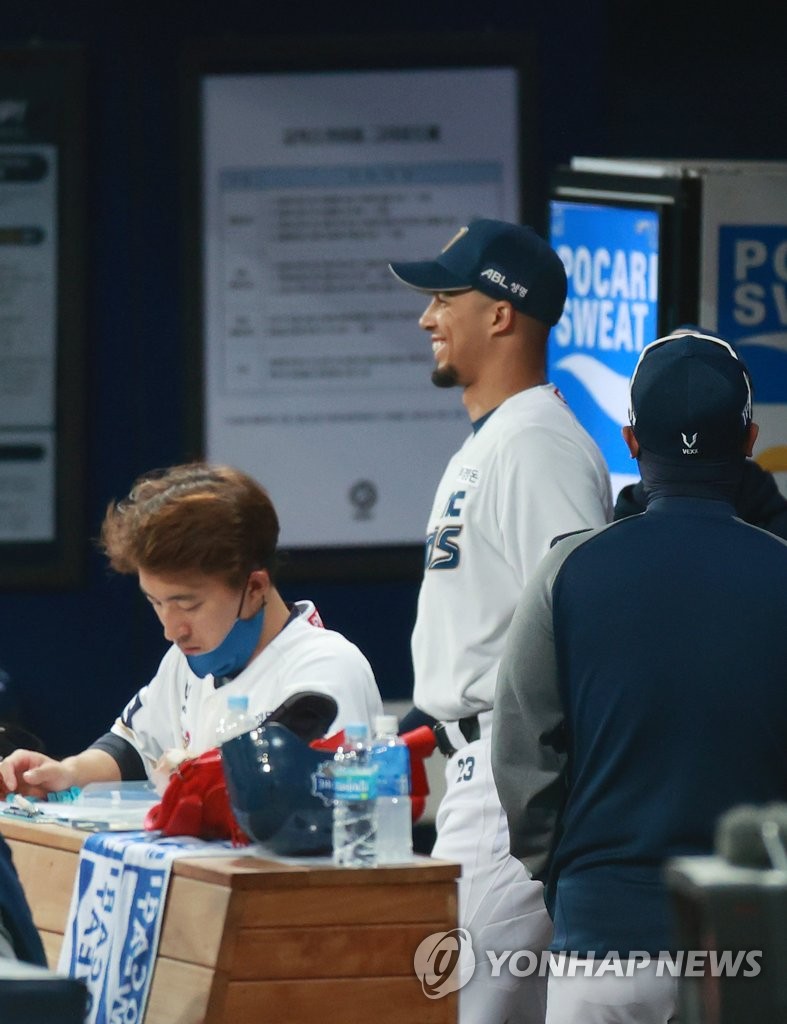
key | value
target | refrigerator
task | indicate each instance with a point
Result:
(649, 245)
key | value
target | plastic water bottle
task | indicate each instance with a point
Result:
(236, 720)
(394, 813)
(354, 801)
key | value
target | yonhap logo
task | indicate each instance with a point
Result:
(444, 962)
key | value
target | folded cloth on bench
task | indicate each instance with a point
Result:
(117, 906)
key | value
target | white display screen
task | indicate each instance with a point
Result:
(316, 373)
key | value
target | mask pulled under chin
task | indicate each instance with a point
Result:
(233, 653)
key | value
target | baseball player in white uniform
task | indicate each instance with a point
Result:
(202, 542)
(528, 473)
(177, 711)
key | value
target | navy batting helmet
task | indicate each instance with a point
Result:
(273, 778)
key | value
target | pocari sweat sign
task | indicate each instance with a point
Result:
(611, 258)
(752, 303)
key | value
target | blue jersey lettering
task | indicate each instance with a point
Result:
(452, 506)
(442, 551)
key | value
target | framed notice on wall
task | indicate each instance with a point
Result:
(42, 104)
(311, 172)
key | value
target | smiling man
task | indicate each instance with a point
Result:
(526, 473)
(202, 541)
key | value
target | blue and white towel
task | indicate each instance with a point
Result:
(114, 921)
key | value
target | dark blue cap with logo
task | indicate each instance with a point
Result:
(502, 260)
(690, 397)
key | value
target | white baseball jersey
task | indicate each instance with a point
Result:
(528, 474)
(179, 710)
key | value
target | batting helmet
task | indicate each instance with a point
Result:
(273, 777)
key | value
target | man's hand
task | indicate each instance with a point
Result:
(31, 773)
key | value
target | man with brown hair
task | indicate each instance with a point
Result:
(202, 541)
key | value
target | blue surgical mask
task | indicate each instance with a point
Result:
(234, 651)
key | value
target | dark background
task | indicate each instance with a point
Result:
(612, 79)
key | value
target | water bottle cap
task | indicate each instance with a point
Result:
(386, 724)
(355, 731)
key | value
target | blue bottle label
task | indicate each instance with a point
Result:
(393, 769)
(355, 785)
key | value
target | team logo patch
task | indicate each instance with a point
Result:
(469, 475)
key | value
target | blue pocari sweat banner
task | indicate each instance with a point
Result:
(611, 257)
(752, 303)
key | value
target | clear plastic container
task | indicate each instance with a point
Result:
(236, 719)
(394, 810)
(354, 801)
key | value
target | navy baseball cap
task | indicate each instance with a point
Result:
(690, 397)
(504, 261)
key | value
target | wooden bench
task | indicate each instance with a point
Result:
(246, 939)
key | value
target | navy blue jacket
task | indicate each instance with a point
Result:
(16, 913)
(642, 693)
